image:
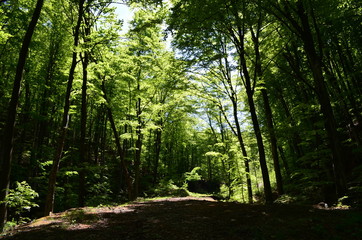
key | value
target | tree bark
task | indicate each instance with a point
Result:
(83, 129)
(243, 150)
(233, 98)
(49, 202)
(238, 37)
(7, 143)
(262, 159)
(268, 113)
(83, 121)
(119, 147)
(138, 148)
(273, 142)
(158, 142)
(315, 62)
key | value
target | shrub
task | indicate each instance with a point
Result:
(168, 188)
(21, 200)
(193, 175)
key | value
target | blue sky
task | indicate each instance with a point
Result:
(123, 12)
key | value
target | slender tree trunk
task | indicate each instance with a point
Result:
(273, 142)
(296, 140)
(7, 143)
(119, 147)
(42, 126)
(238, 38)
(83, 121)
(285, 162)
(158, 142)
(138, 148)
(268, 113)
(243, 150)
(83, 129)
(23, 120)
(262, 159)
(255, 121)
(49, 202)
(233, 98)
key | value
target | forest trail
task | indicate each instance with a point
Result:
(194, 218)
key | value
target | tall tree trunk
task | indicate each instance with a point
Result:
(120, 151)
(315, 62)
(268, 113)
(243, 150)
(233, 98)
(138, 147)
(49, 202)
(273, 142)
(7, 143)
(300, 25)
(239, 136)
(296, 139)
(158, 142)
(285, 162)
(262, 159)
(83, 129)
(83, 121)
(42, 126)
(238, 36)
(257, 131)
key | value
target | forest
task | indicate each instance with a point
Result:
(254, 101)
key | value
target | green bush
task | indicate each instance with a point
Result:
(21, 200)
(168, 188)
(193, 175)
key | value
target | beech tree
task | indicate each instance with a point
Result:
(7, 143)
(49, 204)
(235, 31)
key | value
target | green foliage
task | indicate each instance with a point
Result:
(285, 199)
(193, 175)
(99, 191)
(21, 200)
(167, 188)
(9, 226)
(340, 203)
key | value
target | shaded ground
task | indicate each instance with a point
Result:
(194, 218)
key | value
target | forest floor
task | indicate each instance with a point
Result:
(194, 218)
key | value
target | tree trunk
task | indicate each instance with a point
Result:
(243, 150)
(268, 113)
(238, 38)
(233, 98)
(138, 148)
(83, 121)
(158, 142)
(262, 159)
(273, 142)
(296, 140)
(119, 147)
(315, 62)
(42, 126)
(285, 162)
(49, 202)
(254, 118)
(83, 129)
(7, 143)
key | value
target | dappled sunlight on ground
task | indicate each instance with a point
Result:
(194, 218)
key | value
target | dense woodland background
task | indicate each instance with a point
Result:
(253, 101)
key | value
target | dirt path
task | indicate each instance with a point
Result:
(194, 218)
